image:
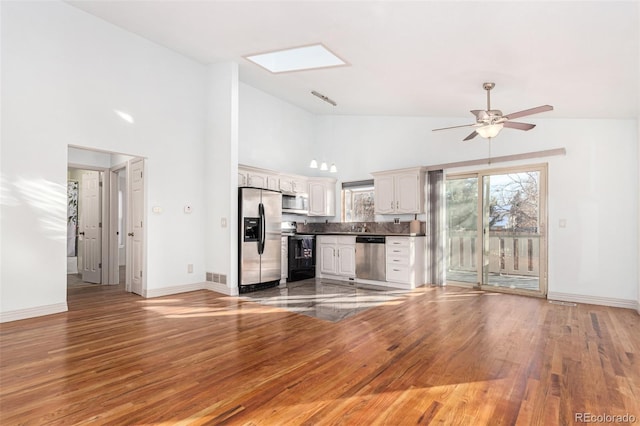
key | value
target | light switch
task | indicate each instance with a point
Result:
(562, 223)
(223, 222)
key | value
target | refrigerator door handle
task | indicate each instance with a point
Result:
(262, 230)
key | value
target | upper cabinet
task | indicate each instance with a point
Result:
(399, 191)
(258, 178)
(322, 197)
(293, 184)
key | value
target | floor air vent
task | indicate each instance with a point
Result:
(216, 278)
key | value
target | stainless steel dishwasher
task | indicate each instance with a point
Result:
(371, 258)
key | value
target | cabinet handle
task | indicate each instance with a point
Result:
(396, 270)
(397, 204)
(391, 204)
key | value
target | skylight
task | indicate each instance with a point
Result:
(297, 59)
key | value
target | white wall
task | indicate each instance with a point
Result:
(221, 175)
(274, 134)
(64, 73)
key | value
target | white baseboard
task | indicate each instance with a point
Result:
(37, 311)
(175, 289)
(593, 300)
(220, 288)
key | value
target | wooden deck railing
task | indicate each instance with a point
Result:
(512, 253)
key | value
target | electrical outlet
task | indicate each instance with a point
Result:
(190, 268)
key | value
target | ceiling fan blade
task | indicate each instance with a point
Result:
(454, 127)
(471, 136)
(519, 126)
(479, 113)
(529, 111)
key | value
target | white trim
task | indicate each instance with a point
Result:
(593, 300)
(175, 289)
(502, 159)
(37, 311)
(205, 285)
(219, 288)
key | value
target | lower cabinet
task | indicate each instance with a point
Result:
(337, 256)
(405, 258)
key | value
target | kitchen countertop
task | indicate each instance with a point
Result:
(372, 234)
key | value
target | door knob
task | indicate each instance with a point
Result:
(130, 234)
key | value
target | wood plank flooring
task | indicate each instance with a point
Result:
(446, 356)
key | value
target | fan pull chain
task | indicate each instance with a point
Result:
(490, 150)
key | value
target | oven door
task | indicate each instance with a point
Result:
(302, 258)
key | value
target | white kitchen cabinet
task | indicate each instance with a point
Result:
(405, 261)
(265, 181)
(322, 197)
(292, 184)
(286, 184)
(327, 262)
(258, 178)
(299, 185)
(347, 259)
(399, 191)
(242, 178)
(337, 256)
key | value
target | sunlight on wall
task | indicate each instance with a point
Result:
(7, 198)
(45, 199)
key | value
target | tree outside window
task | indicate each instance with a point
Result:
(358, 204)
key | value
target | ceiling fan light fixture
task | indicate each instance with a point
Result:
(490, 131)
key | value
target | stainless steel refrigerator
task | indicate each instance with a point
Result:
(260, 214)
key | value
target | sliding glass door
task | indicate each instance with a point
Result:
(462, 229)
(500, 227)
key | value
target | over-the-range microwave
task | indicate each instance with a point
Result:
(295, 203)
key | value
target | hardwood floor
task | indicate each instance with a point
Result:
(448, 356)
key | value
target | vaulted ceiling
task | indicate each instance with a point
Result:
(420, 58)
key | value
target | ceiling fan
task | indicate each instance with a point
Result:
(489, 122)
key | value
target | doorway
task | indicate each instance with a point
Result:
(496, 230)
(105, 242)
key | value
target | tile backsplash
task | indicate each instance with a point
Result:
(371, 227)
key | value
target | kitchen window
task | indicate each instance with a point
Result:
(358, 201)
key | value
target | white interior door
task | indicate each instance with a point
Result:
(90, 227)
(135, 228)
